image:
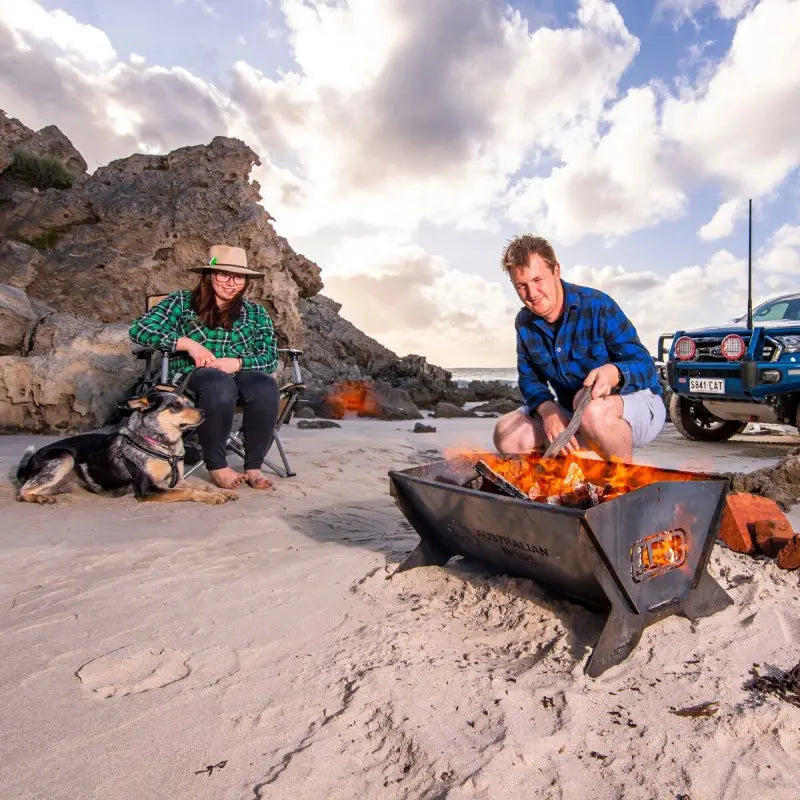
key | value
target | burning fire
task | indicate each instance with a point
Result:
(664, 552)
(570, 476)
(354, 397)
(658, 553)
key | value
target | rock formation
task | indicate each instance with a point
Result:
(77, 263)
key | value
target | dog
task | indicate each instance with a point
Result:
(145, 455)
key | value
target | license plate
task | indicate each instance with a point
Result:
(707, 385)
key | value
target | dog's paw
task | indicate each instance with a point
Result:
(216, 498)
(44, 499)
(230, 494)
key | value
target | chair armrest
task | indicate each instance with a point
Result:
(144, 352)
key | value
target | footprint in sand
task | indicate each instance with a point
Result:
(129, 670)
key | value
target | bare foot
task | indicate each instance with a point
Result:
(225, 478)
(256, 480)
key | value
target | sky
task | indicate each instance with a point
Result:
(403, 143)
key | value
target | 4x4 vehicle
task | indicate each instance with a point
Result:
(722, 377)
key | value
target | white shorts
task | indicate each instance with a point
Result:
(644, 411)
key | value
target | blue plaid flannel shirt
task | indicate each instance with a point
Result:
(594, 331)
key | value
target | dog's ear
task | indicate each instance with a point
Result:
(139, 403)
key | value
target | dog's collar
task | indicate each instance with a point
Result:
(172, 458)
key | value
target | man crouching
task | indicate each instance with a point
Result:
(576, 339)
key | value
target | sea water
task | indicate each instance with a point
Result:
(463, 375)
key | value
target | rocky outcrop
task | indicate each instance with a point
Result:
(337, 351)
(71, 378)
(17, 318)
(48, 141)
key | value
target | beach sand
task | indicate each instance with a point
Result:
(260, 650)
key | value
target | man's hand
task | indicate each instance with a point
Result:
(602, 380)
(554, 420)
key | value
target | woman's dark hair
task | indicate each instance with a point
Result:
(204, 304)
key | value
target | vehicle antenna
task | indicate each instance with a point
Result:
(750, 264)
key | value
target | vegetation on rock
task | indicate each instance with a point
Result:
(41, 172)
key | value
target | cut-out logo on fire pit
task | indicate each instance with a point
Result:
(654, 555)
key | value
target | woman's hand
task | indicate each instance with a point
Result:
(229, 365)
(201, 356)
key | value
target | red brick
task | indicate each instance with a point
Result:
(772, 535)
(789, 556)
(742, 510)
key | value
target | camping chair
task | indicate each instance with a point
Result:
(156, 378)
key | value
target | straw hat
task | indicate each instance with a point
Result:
(222, 258)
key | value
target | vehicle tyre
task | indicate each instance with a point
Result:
(694, 421)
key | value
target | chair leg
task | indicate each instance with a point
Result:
(235, 445)
(194, 467)
(287, 472)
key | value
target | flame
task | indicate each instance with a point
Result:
(358, 397)
(665, 552)
(554, 477)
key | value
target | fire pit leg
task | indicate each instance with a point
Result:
(425, 554)
(708, 598)
(429, 552)
(619, 636)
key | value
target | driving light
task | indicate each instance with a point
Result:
(685, 349)
(733, 347)
(770, 376)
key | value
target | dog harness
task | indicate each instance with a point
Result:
(173, 460)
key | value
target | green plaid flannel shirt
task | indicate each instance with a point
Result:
(252, 337)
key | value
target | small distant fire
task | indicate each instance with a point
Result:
(353, 397)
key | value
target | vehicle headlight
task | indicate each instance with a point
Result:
(790, 344)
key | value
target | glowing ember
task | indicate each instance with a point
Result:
(353, 397)
(667, 552)
(654, 555)
(553, 478)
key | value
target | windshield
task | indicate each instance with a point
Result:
(784, 308)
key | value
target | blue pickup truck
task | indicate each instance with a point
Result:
(721, 377)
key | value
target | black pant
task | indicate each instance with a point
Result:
(217, 395)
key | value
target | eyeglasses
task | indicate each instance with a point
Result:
(228, 277)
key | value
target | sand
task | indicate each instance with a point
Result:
(260, 650)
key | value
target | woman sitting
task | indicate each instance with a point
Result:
(232, 343)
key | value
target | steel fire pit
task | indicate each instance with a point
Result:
(605, 557)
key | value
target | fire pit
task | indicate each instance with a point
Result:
(640, 553)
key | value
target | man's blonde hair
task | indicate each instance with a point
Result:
(518, 252)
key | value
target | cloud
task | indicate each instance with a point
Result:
(398, 112)
(57, 33)
(721, 224)
(55, 69)
(781, 257)
(414, 302)
(611, 185)
(685, 10)
(742, 126)
(406, 111)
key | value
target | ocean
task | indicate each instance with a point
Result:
(463, 375)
